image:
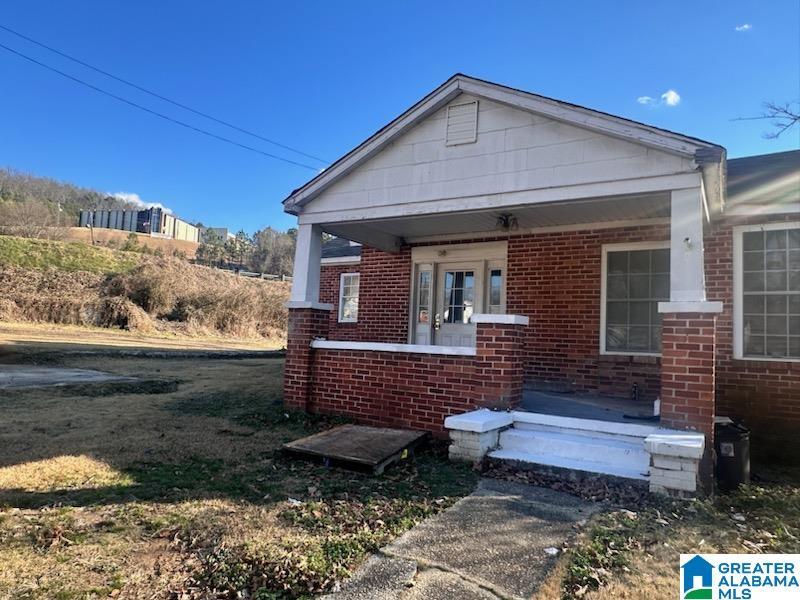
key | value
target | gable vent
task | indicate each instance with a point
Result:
(462, 123)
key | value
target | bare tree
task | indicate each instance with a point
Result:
(783, 117)
(29, 218)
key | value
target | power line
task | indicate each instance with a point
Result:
(156, 113)
(160, 97)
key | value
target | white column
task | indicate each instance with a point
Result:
(307, 260)
(687, 268)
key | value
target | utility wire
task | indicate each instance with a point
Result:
(160, 97)
(156, 113)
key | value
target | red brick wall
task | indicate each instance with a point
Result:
(764, 394)
(384, 290)
(305, 324)
(390, 389)
(555, 279)
(418, 391)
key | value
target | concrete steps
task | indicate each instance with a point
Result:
(616, 449)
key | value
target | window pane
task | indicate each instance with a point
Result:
(754, 345)
(660, 287)
(639, 286)
(495, 287)
(661, 261)
(776, 305)
(754, 324)
(636, 280)
(753, 261)
(617, 263)
(794, 238)
(640, 313)
(640, 261)
(776, 281)
(753, 240)
(639, 338)
(617, 313)
(617, 337)
(794, 347)
(776, 346)
(754, 304)
(776, 260)
(794, 281)
(776, 240)
(794, 259)
(753, 282)
(776, 325)
(794, 304)
(794, 325)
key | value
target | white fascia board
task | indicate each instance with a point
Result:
(620, 187)
(499, 319)
(479, 421)
(341, 260)
(401, 348)
(586, 118)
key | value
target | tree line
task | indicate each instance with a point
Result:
(266, 251)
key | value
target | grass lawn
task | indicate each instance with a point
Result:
(634, 552)
(185, 494)
(65, 256)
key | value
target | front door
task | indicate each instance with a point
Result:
(458, 296)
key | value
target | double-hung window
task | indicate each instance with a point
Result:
(636, 279)
(767, 291)
(348, 298)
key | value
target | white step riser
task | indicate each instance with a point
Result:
(566, 463)
(633, 439)
(595, 452)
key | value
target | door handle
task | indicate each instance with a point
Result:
(437, 322)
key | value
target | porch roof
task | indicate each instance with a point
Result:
(389, 234)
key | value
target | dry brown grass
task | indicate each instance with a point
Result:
(184, 494)
(160, 294)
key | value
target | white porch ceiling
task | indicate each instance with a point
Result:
(387, 233)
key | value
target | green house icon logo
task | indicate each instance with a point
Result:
(697, 579)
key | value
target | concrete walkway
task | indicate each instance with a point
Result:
(21, 376)
(495, 543)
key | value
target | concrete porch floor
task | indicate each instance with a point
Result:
(586, 406)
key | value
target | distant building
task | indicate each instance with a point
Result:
(153, 221)
(223, 232)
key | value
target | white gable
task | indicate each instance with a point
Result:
(515, 150)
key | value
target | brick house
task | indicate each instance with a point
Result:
(501, 249)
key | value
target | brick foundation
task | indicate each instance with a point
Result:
(688, 378)
(305, 324)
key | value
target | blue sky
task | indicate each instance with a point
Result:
(322, 76)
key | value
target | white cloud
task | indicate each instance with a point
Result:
(671, 98)
(743, 27)
(668, 98)
(135, 199)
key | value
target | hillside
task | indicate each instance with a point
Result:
(75, 284)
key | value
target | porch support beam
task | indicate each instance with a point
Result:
(368, 237)
(687, 277)
(307, 262)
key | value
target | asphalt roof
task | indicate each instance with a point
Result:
(339, 247)
(764, 179)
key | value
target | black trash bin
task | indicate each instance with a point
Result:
(732, 444)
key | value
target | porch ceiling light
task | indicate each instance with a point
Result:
(507, 222)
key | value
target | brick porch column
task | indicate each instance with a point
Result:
(305, 324)
(688, 383)
(499, 366)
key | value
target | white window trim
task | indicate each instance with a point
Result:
(603, 276)
(738, 291)
(342, 319)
